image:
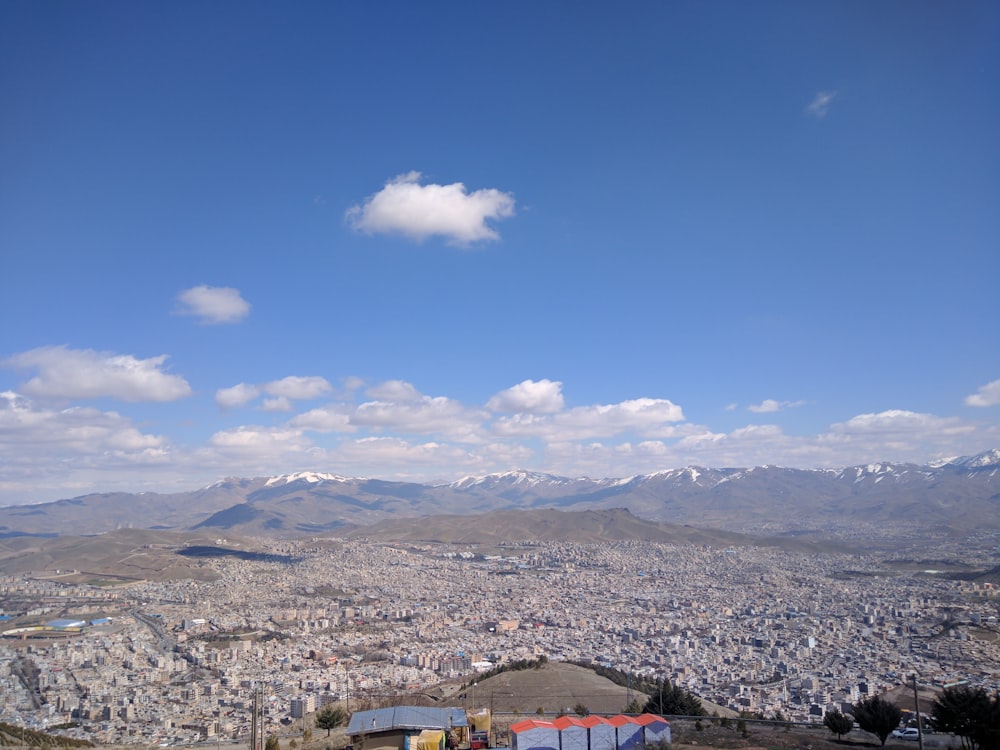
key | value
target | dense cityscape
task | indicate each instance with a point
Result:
(750, 629)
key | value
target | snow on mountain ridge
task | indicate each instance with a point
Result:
(513, 478)
(306, 476)
(694, 474)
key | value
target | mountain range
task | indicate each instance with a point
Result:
(874, 500)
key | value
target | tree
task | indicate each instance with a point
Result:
(667, 698)
(272, 743)
(837, 723)
(969, 713)
(635, 707)
(878, 716)
(580, 709)
(330, 717)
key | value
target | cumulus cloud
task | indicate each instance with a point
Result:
(533, 396)
(395, 431)
(277, 404)
(330, 418)
(646, 416)
(236, 396)
(260, 441)
(987, 395)
(898, 421)
(394, 390)
(406, 207)
(64, 373)
(820, 105)
(59, 451)
(298, 388)
(213, 304)
(81, 430)
(284, 392)
(769, 405)
(426, 415)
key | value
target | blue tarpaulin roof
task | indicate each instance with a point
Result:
(406, 717)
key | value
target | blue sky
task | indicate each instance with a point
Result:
(430, 240)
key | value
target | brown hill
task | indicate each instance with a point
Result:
(123, 555)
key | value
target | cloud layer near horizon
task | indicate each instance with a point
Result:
(55, 448)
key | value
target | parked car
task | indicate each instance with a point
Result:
(909, 733)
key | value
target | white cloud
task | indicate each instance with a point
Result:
(404, 206)
(646, 416)
(213, 304)
(78, 429)
(769, 405)
(396, 432)
(236, 396)
(330, 418)
(820, 105)
(426, 415)
(259, 441)
(298, 388)
(399, 453)
(987, 395)
(532, 396)
(284, 391)
(394, 390)
(276, 404)
(898, 422)
(65, 452)
(64, 373)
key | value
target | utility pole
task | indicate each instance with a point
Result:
(916, 706)
(253, 719)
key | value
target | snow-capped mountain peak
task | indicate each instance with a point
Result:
(305, 476)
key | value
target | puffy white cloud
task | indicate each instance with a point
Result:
(213, 304)
(236, 396)
(276, 404)
(646, 416)
(259, 441)
(394, 390)
(987, 395)
(404, 206)
(78, 429)
(396, 432)
(284, 391)
(330, 418)
(64, 373)
(820, 104)
(298, 388)
(396, 452)
(62, 452)
(426, 415)
(532, 396)
(769, 405)
(899, 422)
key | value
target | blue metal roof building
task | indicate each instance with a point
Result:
(415, 718)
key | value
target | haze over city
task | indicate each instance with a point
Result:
(424, 241)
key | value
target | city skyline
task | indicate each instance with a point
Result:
(452, 240)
